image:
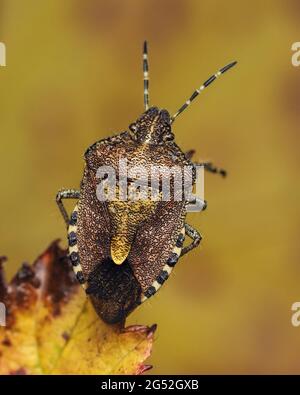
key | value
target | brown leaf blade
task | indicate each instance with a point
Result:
(52, 327)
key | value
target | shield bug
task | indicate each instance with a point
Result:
(123, 250)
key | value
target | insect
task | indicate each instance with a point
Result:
(123, 251)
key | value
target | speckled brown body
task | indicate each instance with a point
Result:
(152, 232)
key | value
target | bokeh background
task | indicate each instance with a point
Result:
(74, 76)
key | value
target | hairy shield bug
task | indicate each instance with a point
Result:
(122, 249)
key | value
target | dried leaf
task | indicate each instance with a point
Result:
(52, 327)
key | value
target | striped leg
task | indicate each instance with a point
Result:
(73, 247)
(189, 154)
(209, 166)
(201, 204)
(194, 235)
(202, 87)
(146, 76)
(66, 194)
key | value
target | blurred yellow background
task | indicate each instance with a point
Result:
(74, 76)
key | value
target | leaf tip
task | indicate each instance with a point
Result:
(144, 368)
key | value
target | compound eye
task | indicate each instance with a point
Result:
(132, 127)
(152, 111)
(165, 116)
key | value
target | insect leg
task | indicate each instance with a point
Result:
(146, 76)
(194, 235)
(189, 154)
(209, 166)
(203, 203)
(66, 194)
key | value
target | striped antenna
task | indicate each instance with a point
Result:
(202, 87)
(146, 75)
